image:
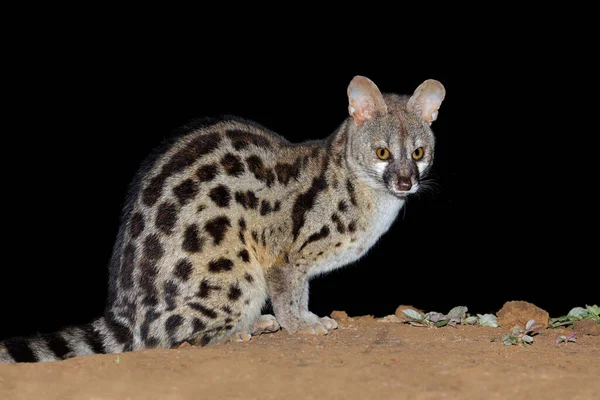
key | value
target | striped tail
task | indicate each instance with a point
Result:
(93, 338)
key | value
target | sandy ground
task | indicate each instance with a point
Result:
(364, 359)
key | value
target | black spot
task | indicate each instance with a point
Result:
(201, 208)
(207, 312)
(207, 173)
(277, 206)
(248, 199)
(205, 340)
(228, 327)
(352, 226)
(192, 151)
(147, 276)
(149, 318)
(305, 202)
(338, 244)
(220, 265)
(255, 236)
(198, 325)
(232, 164)
(171, 292)
(263, 239)
(263, 174)
(166, 216)
(153, 250)
(136, 225)
(338, 223)
(351, 192)
(234, 292)
(220, 196)
(186, 191)
(19, 350)
(286, 172)
(227, 309)
(322, 234)
(320, 253)
(252, 200)
(94, 339)
(242, 139)
(342, 206)
(172, 323)
(217, 228)
(265, 207)
(191, 241)
(240, 198)
(248, 277)
(183, 269)
(243, 254)
(206, 288)
(153, 190)
(228, 320)
(127, 265)
(242, 224)
(183, 158)
(58, 345)
(120, 332)
(305, 160)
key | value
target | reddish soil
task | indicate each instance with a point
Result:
(364, 359)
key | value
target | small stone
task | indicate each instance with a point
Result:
(587, 327)
(518, 313)
(339, 315)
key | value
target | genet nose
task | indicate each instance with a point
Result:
(404, 184)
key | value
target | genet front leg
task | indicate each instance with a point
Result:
(288, 289)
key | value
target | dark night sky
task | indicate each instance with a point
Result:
(513, 165)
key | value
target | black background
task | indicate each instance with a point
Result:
(514, 217)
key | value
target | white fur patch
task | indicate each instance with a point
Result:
(4, 356)
(422, 166)
(76, 342)
(380, 167)
(384, 214)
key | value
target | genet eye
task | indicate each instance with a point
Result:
(383, 153)
(418, 154)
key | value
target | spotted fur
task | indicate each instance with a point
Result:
(230, 214)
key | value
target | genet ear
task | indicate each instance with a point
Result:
(365, 100)
(427, 99)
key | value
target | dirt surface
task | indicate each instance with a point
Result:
(365, 358)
